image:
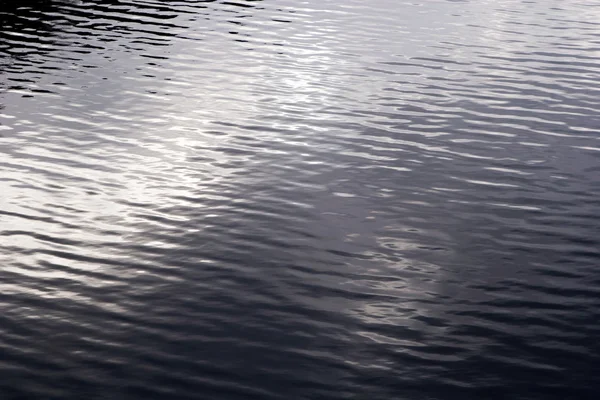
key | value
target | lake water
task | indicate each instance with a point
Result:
(318, 199)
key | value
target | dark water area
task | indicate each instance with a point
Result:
(310, 199)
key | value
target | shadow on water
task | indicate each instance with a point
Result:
(60, 34)
(26, 30)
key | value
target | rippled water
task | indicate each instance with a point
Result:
(310, 199)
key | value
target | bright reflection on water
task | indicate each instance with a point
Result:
(314, 200)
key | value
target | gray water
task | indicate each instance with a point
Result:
(310, 199)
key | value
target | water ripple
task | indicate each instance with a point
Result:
(273, 199)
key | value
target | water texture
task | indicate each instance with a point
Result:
(318, 199)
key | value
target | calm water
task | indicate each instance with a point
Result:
(318, 199)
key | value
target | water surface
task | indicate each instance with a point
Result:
(299, 200)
